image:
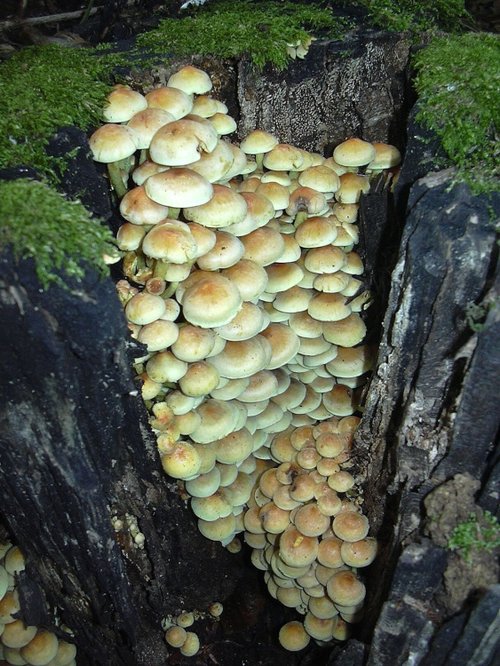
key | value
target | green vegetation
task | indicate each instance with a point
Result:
(458, 84)
(44, 88)
(475, 534)
(60, 235)
(417, 15)
(228, 29)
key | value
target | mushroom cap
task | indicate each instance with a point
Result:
(325, 259)
(165, 367)
(350, 526)
(226, 252)
(282, 277)
(191, 79)
(216, 164)
(234, 448)
(283, 157)
(218, 530)
(204, 485)
(316, 232)
(359, 553)
(354, 153)
(136, 207)
(351, 361)
(144, 308)
(191, 645)
(293, 300)
(263, 246)
(178, 188)
(169, 241)
(352, 186)
(170, 99)
(345, 588)
(41, 649)
(247, 323)
(332, 283)
(180, 142)
(223, 123)
(112, 143)
(257, 142)
(309, 520)
(142, 172)
(206, 106)
(122, 103)
(16, 634)
(146, 123)
(212, 507)
(259, 211)
(193, 343)
(218, 419)
(293, 637)
(284, 344)
(182, 462)
(201, 378)
(297, 550)
(211, 301)
(320, 629)
(243, 358)
(158, 335)
(320, 178)
(224, 208)
(328, 307)
(386, 157)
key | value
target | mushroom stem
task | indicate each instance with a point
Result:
(173, 213)
(160, 269)
(118, 175)
(259, 159)
(300, 217)
(170, 290)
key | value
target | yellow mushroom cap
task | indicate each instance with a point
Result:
(319, 628)
(354, 153)
(41, 649)
(257, 142)
(359, 553)
(175, 636)
(146, 123)
(293, 636)
(345, 588)
(122, 103)
(191, 645)
(112, 143)
(211, 301)
(9, 606)
(136, 207)
(221, 529)
(170, 99)
(297, 550)
(182, 462)
(16, 634)
(178, 187)
(350, 526)
(191, 79)
(309, 520)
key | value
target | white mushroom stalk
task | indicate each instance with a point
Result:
(242, 282)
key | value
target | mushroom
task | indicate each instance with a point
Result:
(175, 101)
(122, 103)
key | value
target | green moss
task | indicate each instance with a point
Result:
(228, 29)
(458, 84)
(417, 15)
(475, 534)
(42, 89)
(60, 235)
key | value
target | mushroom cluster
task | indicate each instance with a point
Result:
(19, 643)
(241, 279)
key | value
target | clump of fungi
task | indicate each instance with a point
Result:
(20, 643)
(241, 279)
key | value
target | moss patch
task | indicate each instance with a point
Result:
(60, 235)
(417, 15)
(44, 88)
(458, 84)
(228, 29)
